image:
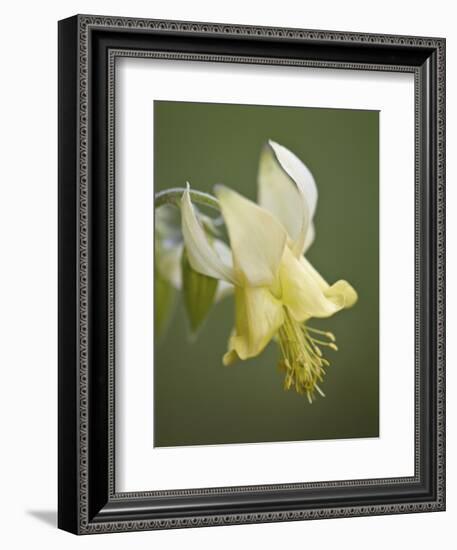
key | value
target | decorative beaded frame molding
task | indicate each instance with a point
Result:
(84, 509)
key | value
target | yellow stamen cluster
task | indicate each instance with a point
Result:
(302, 359)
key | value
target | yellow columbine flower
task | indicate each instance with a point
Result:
(277, 290)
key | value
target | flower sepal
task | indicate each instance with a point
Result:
(199, 293)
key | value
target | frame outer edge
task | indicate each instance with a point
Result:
(68, 451)
(84, 23)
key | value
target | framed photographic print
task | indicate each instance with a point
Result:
(251, 274)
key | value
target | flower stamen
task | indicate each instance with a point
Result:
(330, 345)
(302, 359)
(327, 334)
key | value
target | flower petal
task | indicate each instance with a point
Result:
(258, 316)
(279, 170)
(202, 255)
(224, 289)
(278, 194)
(298, 172)
(257, 239)
(169, 264)
(306, 293)
(342, 294)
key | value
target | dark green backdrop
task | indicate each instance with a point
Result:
(196, 399)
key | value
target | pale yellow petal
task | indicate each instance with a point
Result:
(306, 293)
(342, 294)
(257, 239)
(289, 168)
(202, 255)
(258, 317)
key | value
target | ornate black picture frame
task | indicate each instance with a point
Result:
(88, 47)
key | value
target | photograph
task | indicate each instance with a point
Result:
(266, 273)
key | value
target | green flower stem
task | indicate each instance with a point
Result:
(173, 196)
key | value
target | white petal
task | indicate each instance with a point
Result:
(257, 239)
(223, 251)
(298, 173)
(202, 255)
(167, 223)
(169, 264)
(224, 289)
(278, 194)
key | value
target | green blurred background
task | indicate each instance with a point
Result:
(196, 399)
